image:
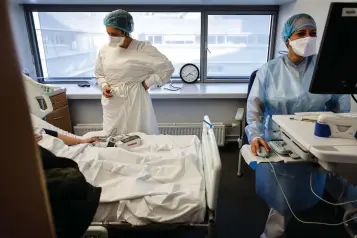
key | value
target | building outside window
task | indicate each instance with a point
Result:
(69, 42)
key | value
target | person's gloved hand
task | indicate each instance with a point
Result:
(256, 143)
(90, 140)
(106, 92)
(38, 137)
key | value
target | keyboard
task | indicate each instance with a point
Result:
(279, 147)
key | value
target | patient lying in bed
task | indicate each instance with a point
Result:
(73, 200)
(159, 181)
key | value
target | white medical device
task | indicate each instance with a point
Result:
(336, 126)
(129, 142)
(35, 92)
(124, 142)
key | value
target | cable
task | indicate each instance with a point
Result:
(113, 132)
(173, 88)
(291, 210)
(342, 192)
(347, 214)
(354, 98)
(333, 204)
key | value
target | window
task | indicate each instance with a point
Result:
(221, 39)
(67, 43)
(237, 44)
(158, 40)
(155, 40)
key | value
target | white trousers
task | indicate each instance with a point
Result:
(275, 226)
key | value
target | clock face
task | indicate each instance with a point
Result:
(189, 73)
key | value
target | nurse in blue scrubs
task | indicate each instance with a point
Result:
(281, 88)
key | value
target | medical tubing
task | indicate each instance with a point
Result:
(333, 204)
(292, 212)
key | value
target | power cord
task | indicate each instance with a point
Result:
(172, 88)
(333, 204)
(292, 212)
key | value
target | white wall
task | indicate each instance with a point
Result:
(19, 29)
(318, 9)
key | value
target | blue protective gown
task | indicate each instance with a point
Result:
(281, 88)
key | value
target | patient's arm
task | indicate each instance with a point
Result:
(38, 137)
(67, 139)
(74, 141)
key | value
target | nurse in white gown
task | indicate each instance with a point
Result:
(126, 68)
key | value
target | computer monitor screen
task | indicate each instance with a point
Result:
(336, 66)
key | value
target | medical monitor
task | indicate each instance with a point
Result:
(336, 66)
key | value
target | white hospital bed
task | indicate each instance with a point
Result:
(211, 162)
(208, 154)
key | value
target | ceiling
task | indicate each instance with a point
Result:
(162, 2)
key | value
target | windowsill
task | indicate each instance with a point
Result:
(188, 91)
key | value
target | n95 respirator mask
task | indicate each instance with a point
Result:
(304, 47)
(116, 41)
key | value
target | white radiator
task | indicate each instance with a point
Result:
(165, 129)
(81, 129)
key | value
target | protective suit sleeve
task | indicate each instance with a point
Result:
(340, 103)
(162, 67)
(99, 73)
(256, 107)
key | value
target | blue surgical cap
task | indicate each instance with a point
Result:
(295, 23)
(121, 20)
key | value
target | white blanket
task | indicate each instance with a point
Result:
(160, 181)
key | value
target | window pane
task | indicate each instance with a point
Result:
(238, 44)
(69, 42)
(158, 40)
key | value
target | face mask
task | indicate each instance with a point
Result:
(116, 40)
(304, 47)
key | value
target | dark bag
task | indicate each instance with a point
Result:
(74, 202)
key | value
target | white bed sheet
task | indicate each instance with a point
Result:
(161, 181)
(185, 203)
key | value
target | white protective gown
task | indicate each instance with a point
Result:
(130, 109)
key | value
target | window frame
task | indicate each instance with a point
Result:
(271, 44)
(205, 11)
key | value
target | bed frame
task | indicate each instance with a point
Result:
(212, 173)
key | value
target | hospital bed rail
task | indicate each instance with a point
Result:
(212, 173)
